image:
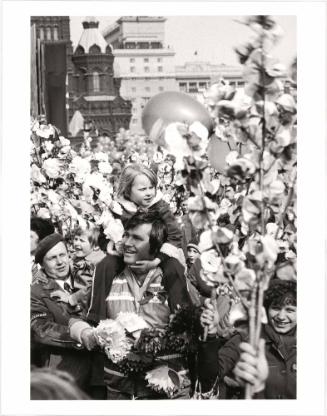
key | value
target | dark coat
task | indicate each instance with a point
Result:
(219, 358)
(51, 344)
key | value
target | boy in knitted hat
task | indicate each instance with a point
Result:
(193, 253)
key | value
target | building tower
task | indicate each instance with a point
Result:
(95, 89)
(51, 67)
(146, 64)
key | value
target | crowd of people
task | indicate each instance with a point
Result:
(147, 258)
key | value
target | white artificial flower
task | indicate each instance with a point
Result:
(36, 174)
(48, 146)
(80, 167)
(53, 196)
(88, 193)
(95, 180)
(131, 321)
(51, 167)
(63, 141)
(100, 156)
(105, 167)
(164, 379)
(234, 263)
(114, 230)
(105, 195)
(269, 250)
(205, 242)
(210, 261)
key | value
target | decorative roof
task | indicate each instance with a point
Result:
(91, 35)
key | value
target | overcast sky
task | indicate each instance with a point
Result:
(213, 37)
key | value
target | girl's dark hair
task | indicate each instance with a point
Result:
(158, 234)
(277, 290)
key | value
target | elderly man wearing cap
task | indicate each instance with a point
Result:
(49, 317)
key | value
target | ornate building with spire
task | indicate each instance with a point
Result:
(93, 84)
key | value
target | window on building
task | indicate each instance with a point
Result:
(161, 88)
(146, 59)
(193, 87)
(147, 89)
(146, 69)
(41, 33)
(133, 89)
(160, 68)
(183, 86)
(134, 120)
(96, 82)
(55, 33)
(159, 59)
(130, 45)
(143, 45)
(95, 49)
(132, 68)
(202, 85)
(48, 33)
(155, 45)
(131, 60)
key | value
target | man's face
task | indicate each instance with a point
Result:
(136, 244)
(56, 262)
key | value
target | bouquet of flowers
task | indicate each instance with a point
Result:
(137, 349)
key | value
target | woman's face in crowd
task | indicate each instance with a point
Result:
(282, 317)
(81, 246)
(34, 240)
(142, 191)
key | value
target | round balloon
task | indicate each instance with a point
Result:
(174, 106)
(217, 151)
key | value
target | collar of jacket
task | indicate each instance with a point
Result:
(283, 344)
(132, 208)
(52, 283)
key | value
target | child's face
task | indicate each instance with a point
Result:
(142, 191)
(192, 254)
(81, 246)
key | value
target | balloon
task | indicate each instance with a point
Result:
(217, 151)
(173, 106)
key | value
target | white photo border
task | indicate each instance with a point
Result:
(15, 148)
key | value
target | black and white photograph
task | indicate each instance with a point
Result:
(162, 182)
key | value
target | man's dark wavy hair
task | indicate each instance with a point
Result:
(158, 234)
(277, 290)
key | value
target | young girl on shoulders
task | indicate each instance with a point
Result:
(137, 191)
